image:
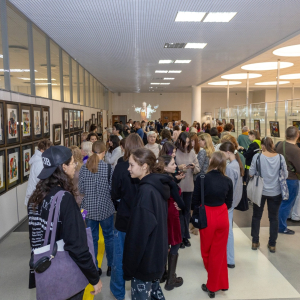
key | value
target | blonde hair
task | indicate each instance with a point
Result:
(87, 148)
(77, 157)
(209, 147)
(217, 161)
(93, 161)
(230, 138)
(84, 135)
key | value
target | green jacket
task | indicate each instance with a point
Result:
(244, 141)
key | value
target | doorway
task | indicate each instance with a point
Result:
(168, 116)
(119, 118)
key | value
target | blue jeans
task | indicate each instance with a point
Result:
(117, 283)
(287, 205)
(230, 242)
(107, 226)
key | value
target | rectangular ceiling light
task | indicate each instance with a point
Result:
(175, 71)
(182, 61)
(219, 16)
(165, 83)
(174, 45)
(161, 71)
(169, 78)
(166, 61)
(155, 83)
(189, 16)
(195, 45)
(1, 56)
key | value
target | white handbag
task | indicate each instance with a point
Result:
(256, 185)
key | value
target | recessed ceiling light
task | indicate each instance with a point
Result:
(195, 45)
(1, 56)
(182, 61)
(291, 51)
(161, 71)
(169, 78)
(266, 66)
(189, 16)
(23, 78)
(290, 76)
(219, 16)
(165, 83)
(166, 61)
(175, 71)
(240, 76)
(174, 45)
(155, 83)
(224, 82)
(272, 83)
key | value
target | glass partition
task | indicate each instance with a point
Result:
(81, 82)
(233, 120)
(293, 113)
(242, 118)
(66, 76)
(74, 82)
(87, 88)
(55, 71)
(257, 118)
(275, 121)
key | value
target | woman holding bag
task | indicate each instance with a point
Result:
(57, 174)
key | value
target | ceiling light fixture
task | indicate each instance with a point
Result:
(165, 83)
(290, 51)
(272, 83)
(182, 61)
(195, 45)
(224, 82)
(290, 76)
(23, 78)
(17, 70)
(169, 78)
(45, 83)
(265, 66)
(1, 56)
(166, 61)
(174, 45)
(155, 83)
(189, 16)
(161, 71)
(219, 17)
(175, 71)
(240, 76)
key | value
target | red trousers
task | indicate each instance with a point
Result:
(213, 247)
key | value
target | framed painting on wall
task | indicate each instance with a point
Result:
(75, 123)
(26, 153)
(232, 123)
(243, 123)
(87, 126)
(66, 140)
(56, 134)
(71, 120)
(296, 124)
(81, 119)
(274, 129)
(71, 139)
(257, 125)
(12, 123)
(35, 147)
(93, 118)
(2, 171)
(46, 121)
(2, 127)
(78, 119)
(66, 120)
(37, 122)
(26, 127)
(13, 167)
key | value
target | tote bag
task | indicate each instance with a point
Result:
(283, 185)
(255, 185)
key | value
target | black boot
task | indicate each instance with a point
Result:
(165, 275)
(205, 289)
(172, 280)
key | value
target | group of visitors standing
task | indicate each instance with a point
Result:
(151, 177)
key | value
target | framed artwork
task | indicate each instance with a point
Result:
(87, 126)
(257, 125)
(71, 139)
(243, 123)
(2, 127)
(232, 123)
(71, 120)
(46, 121)
(35, 147)
(274, 129)
(2, 171)
(66, 140)
(13, 167)
(78, 119)
(93, 118)
(81, 119)
(37, 122)
(26, 153)
(75, 124)
(66, 120)
(12, 123)
(296, 124)
(79, 139)
(75, 140)
(26, 127)
(56, 134)
(224, 121)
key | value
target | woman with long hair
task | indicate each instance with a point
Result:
(176, 133)
(270, 164)
(146, 241)
(114, 151)
(215, 136)
(194, 142)
(165, 136)
(235, 171)
(70, 228)
(198, 127)
(188, 163)
(207, 130)
(95, 183)
(206, 151)
(218, 193)
(203, 126)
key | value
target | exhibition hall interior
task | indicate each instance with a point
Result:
(65, 65)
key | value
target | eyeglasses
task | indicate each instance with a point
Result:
(74, 164)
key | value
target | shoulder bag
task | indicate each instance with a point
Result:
(283, 184)
(199, 219)
(57, 276)
(256, 185)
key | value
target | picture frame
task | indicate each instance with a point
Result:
(231, 121)
(75, 122)
(26, 153)
(2, 127)
(93, 118)
(34, 147)
(257, 125)
(75, 139)
(71, 139)
(224, 121)
(296, 124)
(78, 119)
(13, 174)
(2, 171)
(12, 123)
(56, 134)
(87, 126)
(274, 129)
(81, 119)
(46, 121)
(243, 123)
(66, 120)
(79, 139)
(67, 140)
(26, 123)
(71, 120)
(37, 122)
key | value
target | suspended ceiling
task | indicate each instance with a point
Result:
(120, 42)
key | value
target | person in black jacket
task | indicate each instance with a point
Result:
(146, 242)
(123, 191)
(218, 197)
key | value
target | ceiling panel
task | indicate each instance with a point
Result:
(120, 42)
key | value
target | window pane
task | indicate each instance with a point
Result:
(40, 62)
(66, 76)
(2, 84)
(18, 52)
(81, 81)
(101, 97)
(92, 90)
(87, 103)
(74, 81)
(54, 58)
(95, 93)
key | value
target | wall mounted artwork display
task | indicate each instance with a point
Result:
(75, 123)
(46, 122)
(12, 121)
(26, 152)
(224, 121)
(56, 134)
(26, 128)
(232, 123)
(274, 129)
(71, 120)
(71, 140)
(37, 122)
(81, 119)
(66, 119)
(243, 123)
(2, 172)
(257, 125)
(66, 140)
(87, 126)
(35, 147)
(78, 119)
(13, 167)
(2, 127)
(93, 118)
(296, 124)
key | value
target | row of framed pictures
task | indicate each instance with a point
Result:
(23, 123)
(73, 120)
(72, 139)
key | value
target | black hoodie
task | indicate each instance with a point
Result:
(146, 242)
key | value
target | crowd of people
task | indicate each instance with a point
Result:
(141, 188)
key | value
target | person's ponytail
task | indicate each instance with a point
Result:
(93, 161)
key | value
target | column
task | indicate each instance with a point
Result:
(196, 104)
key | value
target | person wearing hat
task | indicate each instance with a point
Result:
(57, 174)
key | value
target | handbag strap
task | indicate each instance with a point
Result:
(258, 165)
(202, 189)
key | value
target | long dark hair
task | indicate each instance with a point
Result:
(145, 156)
(133, 141)
(181, 141)
(167, 149)
(268, 143)
(165, 159)
(116, 143)
(58, 178)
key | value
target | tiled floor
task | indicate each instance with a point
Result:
(258, 274)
